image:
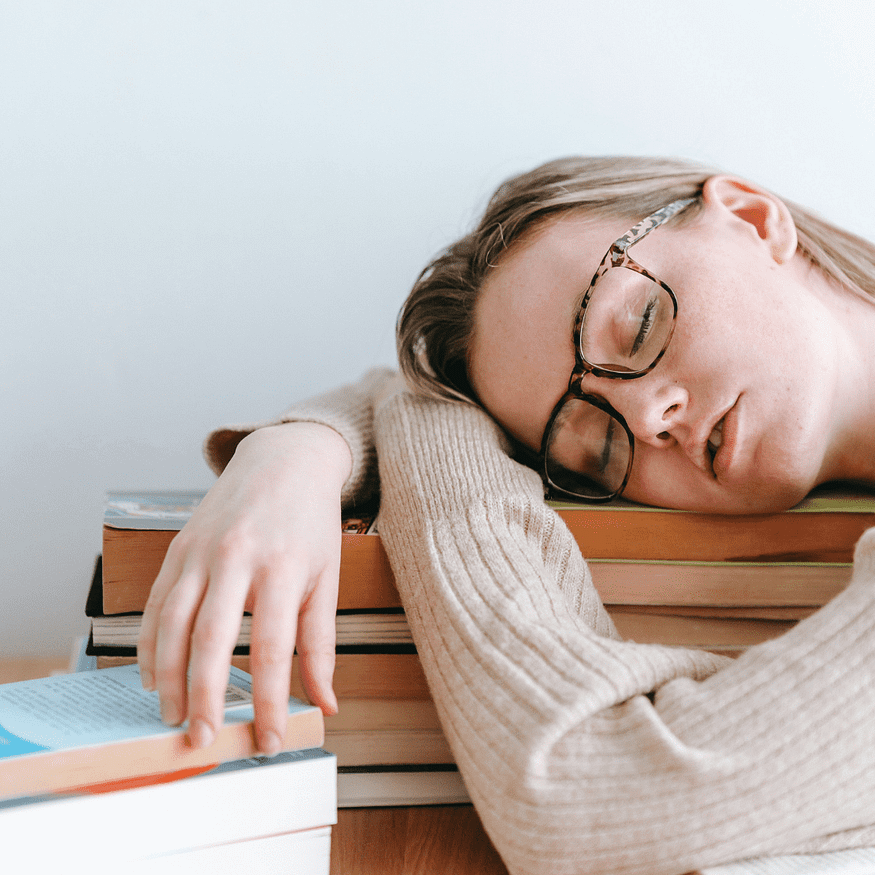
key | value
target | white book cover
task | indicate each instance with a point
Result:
(233, 802)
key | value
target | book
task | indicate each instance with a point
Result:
(646, 627)
(727, 635)
(101, 729)
(824, 527)
(122, 630)
(303, 852)
(665, 627)
(380, 627)
(357, 675)
(363, 673)
(291, 795)
(819, 532)
(720, 606)
(719, 584)
(374, 730)
(777, 592)
(366, 786)
(139, 526)
(381, 732)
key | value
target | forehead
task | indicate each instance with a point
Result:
(522, 351)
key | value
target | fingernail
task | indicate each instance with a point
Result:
(200, 733)
(270, 744)
(170, 714)
(147, 680)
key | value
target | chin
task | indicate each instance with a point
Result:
(767, 497)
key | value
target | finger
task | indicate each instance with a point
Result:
(274, 622)
(212, 642)
(317, 636)
(175, 622)
(171, 568)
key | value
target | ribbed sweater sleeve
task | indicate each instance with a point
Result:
(587, 754)
(347, 409)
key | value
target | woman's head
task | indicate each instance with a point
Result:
(491, 320)
(436, 324)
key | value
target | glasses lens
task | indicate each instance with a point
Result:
(588, 451)
(627, 323)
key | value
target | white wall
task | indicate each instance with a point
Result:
(208, 209)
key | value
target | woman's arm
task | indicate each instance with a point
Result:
(584, 753)
(265, 539)
(348, 410)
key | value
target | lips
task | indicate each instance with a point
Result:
(715, 439)
(722, 441)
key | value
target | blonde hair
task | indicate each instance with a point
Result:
(436, 322)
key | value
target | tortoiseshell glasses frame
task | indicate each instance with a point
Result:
(603, 440)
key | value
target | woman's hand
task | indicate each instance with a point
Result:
(265, 539)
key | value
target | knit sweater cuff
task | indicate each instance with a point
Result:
(348, 410)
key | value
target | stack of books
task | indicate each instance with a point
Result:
(719, 583)
(89, 772)
(667, 577)
(386, 736)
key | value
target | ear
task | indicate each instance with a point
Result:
(763, 212)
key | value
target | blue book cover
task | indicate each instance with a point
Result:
(102, 726)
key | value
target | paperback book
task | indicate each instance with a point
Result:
(100, 729)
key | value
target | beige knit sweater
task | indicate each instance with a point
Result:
(584, 753)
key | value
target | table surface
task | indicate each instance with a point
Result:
(419, 840)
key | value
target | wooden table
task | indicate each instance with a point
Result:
(423, 840)
(420, 840)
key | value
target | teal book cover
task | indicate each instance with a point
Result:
(101, 726)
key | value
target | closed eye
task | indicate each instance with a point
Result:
(608, 444)
(647, 321)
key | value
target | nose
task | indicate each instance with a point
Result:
(654, 407)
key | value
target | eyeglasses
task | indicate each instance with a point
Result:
(622, 330)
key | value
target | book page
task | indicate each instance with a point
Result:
(90, 708)
(150, 510)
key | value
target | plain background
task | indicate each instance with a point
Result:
(211, 209)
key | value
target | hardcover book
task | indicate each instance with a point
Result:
(814, 541)
(291, 795)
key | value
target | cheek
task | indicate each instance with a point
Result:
(659, 479)
(662, 478)
(666, 478)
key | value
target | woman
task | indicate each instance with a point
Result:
(727, 366)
